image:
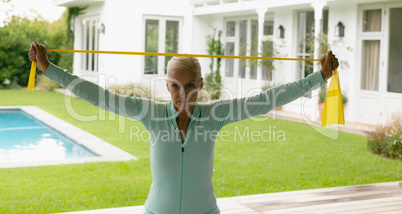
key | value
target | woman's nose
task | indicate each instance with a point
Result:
(182, 92)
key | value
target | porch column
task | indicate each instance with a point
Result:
(261, 19)
(318, 6)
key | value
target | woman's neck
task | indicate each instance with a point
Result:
(185, 114)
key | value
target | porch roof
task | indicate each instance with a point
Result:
(208, 7)
(74, 3)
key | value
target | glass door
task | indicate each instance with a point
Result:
(394, 83)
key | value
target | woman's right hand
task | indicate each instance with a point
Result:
(38, 53)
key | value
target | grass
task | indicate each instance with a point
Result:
(300, 159)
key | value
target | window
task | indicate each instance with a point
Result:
(90, 42)
(374, 42)
(305, 41)
(372, 20)
(230, 45)
(268, 28)
(230, 28)
(151, 45)
(371, 49)
(161, 35)
(371, 65)
(254, 49)
(267, 49)
(243, 47)
(229, 62)
(395, 51)
(241, 38)
(172, 40)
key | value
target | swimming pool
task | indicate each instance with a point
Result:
(23, 138)
(30, 136)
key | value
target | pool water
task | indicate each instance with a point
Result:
(24, 138)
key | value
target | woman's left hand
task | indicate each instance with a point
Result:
(328, 64)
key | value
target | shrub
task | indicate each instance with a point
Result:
(268, 86)
(131, 90)
(386, 140)
(205, 96)
(323, 93)
(344, 98)
(45, 83)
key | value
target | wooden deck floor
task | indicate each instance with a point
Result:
(370, 198)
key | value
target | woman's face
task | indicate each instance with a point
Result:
(183, 87)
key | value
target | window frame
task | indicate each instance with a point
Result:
(86, 58)
(230, 39)
(161, 40)
(300, 74)
(236, 40)
(367, 36)
(268, 17)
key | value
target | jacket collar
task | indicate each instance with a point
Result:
(173, 113)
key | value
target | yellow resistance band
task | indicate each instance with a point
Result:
(31, 81)
(180, 55)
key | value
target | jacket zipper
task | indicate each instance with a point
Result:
(181, 183)
(182, 163)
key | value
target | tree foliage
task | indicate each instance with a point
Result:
(16, 38)
(72, 13)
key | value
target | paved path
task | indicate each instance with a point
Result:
(351, 127)
(360, 199)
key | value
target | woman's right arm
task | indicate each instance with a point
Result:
(131, 107)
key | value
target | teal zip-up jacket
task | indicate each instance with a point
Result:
(182, 173)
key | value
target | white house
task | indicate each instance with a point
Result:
(370, 74)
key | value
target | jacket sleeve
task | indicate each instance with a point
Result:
(132, 107)
(229, 111)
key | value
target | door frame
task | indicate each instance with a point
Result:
(379, 98)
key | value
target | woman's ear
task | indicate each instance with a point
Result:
(202, 83)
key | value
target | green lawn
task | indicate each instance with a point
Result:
(305, 160)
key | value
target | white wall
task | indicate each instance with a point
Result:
(345, 50)
(285, 71)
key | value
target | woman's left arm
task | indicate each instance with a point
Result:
(228, 111)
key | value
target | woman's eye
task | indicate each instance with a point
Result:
(190, 85)
(175, 86)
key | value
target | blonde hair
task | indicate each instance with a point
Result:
(185, 64)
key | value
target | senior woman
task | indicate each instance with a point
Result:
(182, 161)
